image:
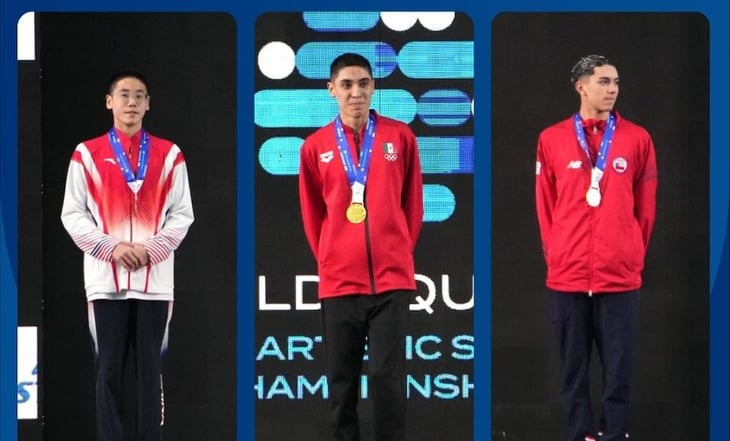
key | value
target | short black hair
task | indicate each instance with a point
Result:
(349, 59)
(127, 73)
(586, 66)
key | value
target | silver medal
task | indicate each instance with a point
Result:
(593, 197)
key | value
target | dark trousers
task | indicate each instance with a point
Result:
(117, 325)
(609, 320)
(351, 322)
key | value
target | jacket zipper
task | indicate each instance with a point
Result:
(371, 272)
(590, 253)
(368, 247)
(133, 205)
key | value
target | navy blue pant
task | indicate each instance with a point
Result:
(116, 326)
(610, 321)
(350, 323)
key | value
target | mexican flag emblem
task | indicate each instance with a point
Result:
(389, 151)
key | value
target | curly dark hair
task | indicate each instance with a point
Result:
(585, 66)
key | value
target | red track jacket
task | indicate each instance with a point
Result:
(375, 256)
(595, 250)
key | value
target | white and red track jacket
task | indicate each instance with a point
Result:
(100, 210)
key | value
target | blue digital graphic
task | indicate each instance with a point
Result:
(324, 21)
(314, 108)
(449, 155)
(444, 107)
(309, 58)
(437, 59)
(420, 63)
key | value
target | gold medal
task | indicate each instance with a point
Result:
(356, 213)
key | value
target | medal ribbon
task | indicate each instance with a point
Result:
(600, 166)
(133, 181)
(356, 176)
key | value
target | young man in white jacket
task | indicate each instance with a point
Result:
(127, 206)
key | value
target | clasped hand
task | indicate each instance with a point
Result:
(130, 255)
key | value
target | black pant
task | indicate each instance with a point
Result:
(610, 321)
(116, 325)
(351, 322)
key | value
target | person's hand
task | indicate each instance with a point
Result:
(141, 253)
(124, 254)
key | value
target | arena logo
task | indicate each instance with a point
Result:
(428, 294)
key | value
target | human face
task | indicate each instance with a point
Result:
(599, 91)
(128, 102)
(353, 89)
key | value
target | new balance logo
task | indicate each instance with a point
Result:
(575, 164)
(111, 161)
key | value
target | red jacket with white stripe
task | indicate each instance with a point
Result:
(602, 249)
(100, 210)
(376, 255)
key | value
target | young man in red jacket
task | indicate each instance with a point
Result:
(361, 197)
(596, 180)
